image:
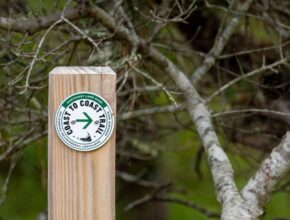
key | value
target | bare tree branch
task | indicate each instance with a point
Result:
(220, 42)
(31, 26)
(150, 111)
(263, 68)
(247, 205)
(220, 165)
(4, 188)
(249, 110)
(200, 209)
(22, 142)
(137, 180)
(258, 190)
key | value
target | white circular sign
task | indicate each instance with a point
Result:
(84, 121)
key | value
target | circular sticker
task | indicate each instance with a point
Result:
(84, 121)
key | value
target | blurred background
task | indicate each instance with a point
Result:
(162, 172)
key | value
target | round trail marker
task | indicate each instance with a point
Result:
(84, 121)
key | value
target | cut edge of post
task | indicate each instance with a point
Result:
(82, 70)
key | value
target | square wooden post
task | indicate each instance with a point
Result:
(81, 184)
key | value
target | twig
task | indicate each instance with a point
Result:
(136, 156)
(4, 188)
(148, 89)
(135, 179)
(162, 87)
(85, 36)
(32, 25)
(239, 111)
(35, 56)
(246, 75)
(200, 209)
(263, 49)
(151, 111)
(146, 198)
(220, 42)
(22, 142)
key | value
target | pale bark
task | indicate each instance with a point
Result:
(259, 188)
(220, 42)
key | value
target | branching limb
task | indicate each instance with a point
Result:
(31, 26)
(146, 75)
(220, 165)
(259, 188)
(155, 196)
(200, 209)
(127, 22)
(220, 42)
(263, 68)
(147, 198)
(35, 56)
(22, 142)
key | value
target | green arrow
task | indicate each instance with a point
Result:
(89, 120)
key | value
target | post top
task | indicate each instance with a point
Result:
(82, 70)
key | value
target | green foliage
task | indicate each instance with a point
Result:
(26, 197)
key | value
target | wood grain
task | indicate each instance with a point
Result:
(81, 185)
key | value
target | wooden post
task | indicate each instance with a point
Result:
(81, 184)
